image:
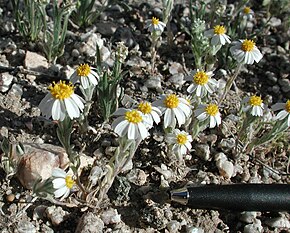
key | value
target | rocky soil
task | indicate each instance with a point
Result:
(137, 202)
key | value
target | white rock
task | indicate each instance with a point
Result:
(153, 82)
(226, 168)
(90, 223)
(194, 230)
(56, 215)
(16, 90)
(173, 226)
(111, 216)
(248, 216)
(220, 157)
(255, 227)
(5, 81)
(279, 222)
(34, 61)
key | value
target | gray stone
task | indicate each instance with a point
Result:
(275, 22)
(227, 144)
(177, 79)
(173, 226)
(271, 77)
(255, 227)
(285, 84)
(90, 223)
(56, 215)
(137, 177)
(276, 89)
(248, 216)
(153, 82)
(16, 89)
(38, 161)
(75, 53)
(36, 62)
(202, 151)
(106, 28)
(279, 222)
(25, 227)
(110, 216)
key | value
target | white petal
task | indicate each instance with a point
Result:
(46, 104)
(74, 78)
(92, 79)
(60, 192)
(58, 183)
(156, 117)
(198, 91)
(278, 106)
(281, 115)
(202, 116)
(168, 118)
(78, 100)
(57, 172)
(143, 131)
(212, 122)
(71, 108)
(132, 131)
(121, 128)
(56, 110)
(209, 33)
(191, 88)
(179, 116)
(214, 40)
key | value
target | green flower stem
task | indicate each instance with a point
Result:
(230, 83)
(123, 154)
(277, 130)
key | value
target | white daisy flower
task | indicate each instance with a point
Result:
(180, 140)
(211, 112)
(150, 114)
(218, 35)
(60, 101)
(245, 51)
(202, 83)
(254, 104)
(174, 108)
(85, 75)
(247, 13)
(284, 113)
(130, 123)
(62, 183)
(154, 25)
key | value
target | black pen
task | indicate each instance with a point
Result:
(237, 197)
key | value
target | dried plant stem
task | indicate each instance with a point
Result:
(230, 83)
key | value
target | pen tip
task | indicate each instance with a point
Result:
(179, 196)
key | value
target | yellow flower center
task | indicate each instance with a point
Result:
(181, 139)
(155, 21)
(248, 45)
(133, 116)
(212, 109)
(247, 10)
(83, 70)
(69, 182)
(171, 101)
(255, 100)
(219, 30)
(145, 107)
(200, 78)
(61, 90)
(287, 106)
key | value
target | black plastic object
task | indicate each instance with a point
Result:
(238, 197)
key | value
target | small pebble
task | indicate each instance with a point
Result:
(10, 197)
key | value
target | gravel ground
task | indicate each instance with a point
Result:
(137, 201)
